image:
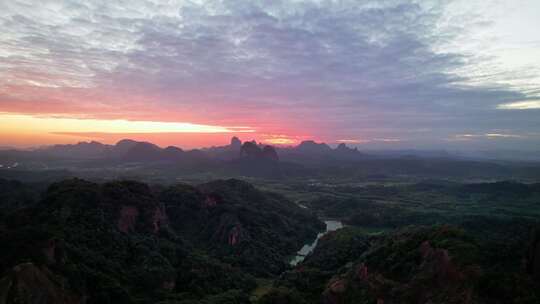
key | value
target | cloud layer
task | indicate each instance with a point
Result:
(358, 70)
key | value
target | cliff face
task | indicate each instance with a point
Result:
(128, 218)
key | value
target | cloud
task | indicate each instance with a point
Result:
(498, 135)
(329, 69)
(370, 140)
(28, 123)
(465, 137)
(352, 141)
(520, 105)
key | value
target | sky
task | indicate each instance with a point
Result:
(390, 74)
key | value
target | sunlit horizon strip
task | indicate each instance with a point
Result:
(32, 124)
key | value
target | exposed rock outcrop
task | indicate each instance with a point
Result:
(437, 263)
(159, 219)
(236, 144)
(234, 234)
(128, 218)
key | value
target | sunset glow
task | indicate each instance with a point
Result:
(40, 130)
(280, 141)
(32, 124)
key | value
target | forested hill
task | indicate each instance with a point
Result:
(127, 242)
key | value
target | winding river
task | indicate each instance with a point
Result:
(308, 248)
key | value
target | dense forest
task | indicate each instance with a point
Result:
(227, 241)
(127, 242)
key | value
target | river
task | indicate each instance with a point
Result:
(308, 248)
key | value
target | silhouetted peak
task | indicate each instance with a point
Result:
(314, 147)
(236, 143)
(83, 149)
(250, 149)
(146, 146)
(89, 143)
(141, 151)
(173, 149)
(342, 146)
(126, 142)
(124, 145)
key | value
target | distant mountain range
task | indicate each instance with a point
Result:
(137, 151)
(252, 159)
(125, 150)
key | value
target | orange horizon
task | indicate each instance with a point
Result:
(181, 140)
(28, 131)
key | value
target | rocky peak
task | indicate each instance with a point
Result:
(343, 151)
(173, 149)
(236, 143)
(251, 150)
(344, 147)
(310, 146)
(125, 144)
